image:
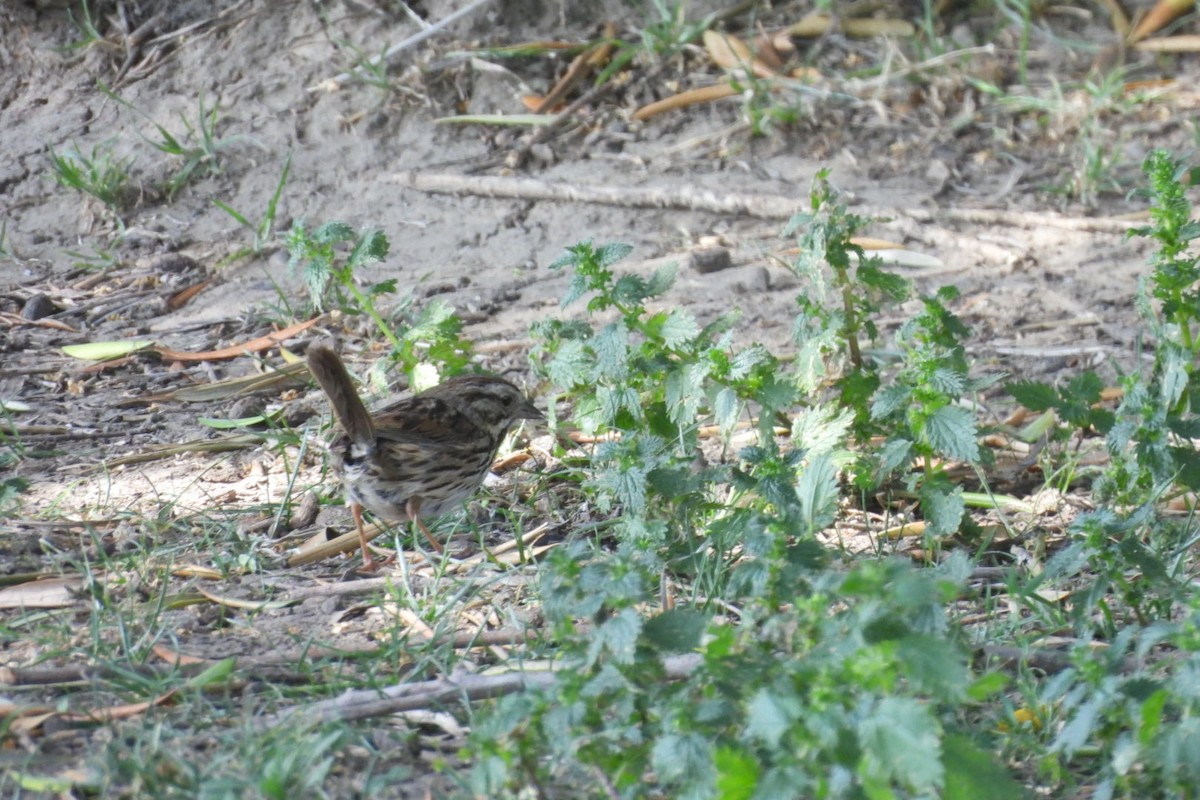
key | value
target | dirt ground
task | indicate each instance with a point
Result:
(966, 183)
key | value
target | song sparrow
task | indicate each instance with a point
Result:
(420, 456)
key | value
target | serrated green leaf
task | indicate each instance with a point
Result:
(818, 493)
(679, 329)
(974, 774)
(105, 351)
(943, 508)
(951, 432)
(1179, 749)
(612, 252)
(617, 636)
(369, 248)
(1084, 388)
(744, 361)
(628, 484)
(900, 742)
(683, 755)
(1079, 728)
(684, 392)
(894, 454)
(890, 400)
(948, 381)
(821, 429)
(676, 631)
(727, 410)
(611, 346)
(571, 365)
(629, 290)
(569, 257)
(577, 287)
(332, 232)
(895, 287)
(934, 665)
(769, 716)
(661, 280)
(737, 774)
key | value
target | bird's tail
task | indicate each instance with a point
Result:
(351, 414)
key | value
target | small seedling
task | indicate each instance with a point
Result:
(100, 174)
(264, 229)
(199, 147)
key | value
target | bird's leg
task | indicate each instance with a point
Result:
(413, 509)
(369, 563)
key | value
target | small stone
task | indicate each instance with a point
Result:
(39, 306)
(171, 263)
(710, 259)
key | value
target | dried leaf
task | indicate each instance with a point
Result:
(184, 296)
(815, 25)
(235, 387)
(174, 657)
(1157, 18)
(233, 351)
(1186, 43)
(105, 351)
(691, 97)
(729, 52)
(155, 452)
(197, 571)
(45, 593)
(249, 605)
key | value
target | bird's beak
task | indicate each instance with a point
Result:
(529, 411)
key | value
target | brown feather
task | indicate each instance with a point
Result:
(419, 456)
(351, 414)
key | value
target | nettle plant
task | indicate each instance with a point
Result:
(1127, 708)
(780, 674)
(914, 402)
(425, 342)
(648, 380)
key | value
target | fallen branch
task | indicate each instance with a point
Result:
(411, 696)
(764, 206)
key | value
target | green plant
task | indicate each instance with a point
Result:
(101, 258)
(329, 277)
(427, 338)
(11, 487)
(793, 700)
(650, 377)
(668, 30)
(917, 411)
(791, 695)
(1156, 421)
(99, 174)
(1123, 714)
(264, 229)
(85, 24)
(199, 147)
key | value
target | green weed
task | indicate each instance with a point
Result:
(199, 148)
(99, 174)
(264, 229)
(329, 257)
